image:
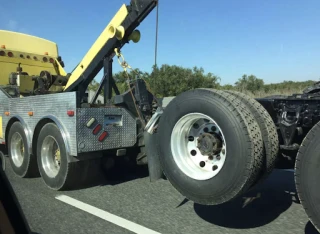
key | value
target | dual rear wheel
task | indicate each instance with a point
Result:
(216, 145)
(51, 161)
(52, 158)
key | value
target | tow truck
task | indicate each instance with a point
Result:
(212, 145)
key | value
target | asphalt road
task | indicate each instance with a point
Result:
(158, 207)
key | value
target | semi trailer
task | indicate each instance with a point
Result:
(212, 145)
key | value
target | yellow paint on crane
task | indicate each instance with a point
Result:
(96, 47)
(60, 69)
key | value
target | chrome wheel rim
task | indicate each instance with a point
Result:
(190, 146)
(17, 149)
(50, 156)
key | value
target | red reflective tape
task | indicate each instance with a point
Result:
(96, 129)
(70, 112)
(103, 136)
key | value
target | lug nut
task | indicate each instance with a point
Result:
(223, 151)
(215, 167)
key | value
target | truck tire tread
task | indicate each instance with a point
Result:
(254, 132)
(307, 174)
(268, 130)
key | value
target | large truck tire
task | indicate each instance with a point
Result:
(56, 169)
(307, 173)
(197, 123)
(22, 162)
(268, 130)
(52, 156)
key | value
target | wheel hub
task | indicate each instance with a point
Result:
(198, 146)
(50, 156)
(209, 144)
(17, 149)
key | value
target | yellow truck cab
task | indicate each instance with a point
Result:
(27, 56)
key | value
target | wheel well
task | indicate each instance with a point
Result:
(36, 133)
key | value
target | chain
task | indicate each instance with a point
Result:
(121, 60)
(126, 66)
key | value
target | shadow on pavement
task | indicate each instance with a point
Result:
(124, 173)
(94, 175)
(268, 201)
(310, 229)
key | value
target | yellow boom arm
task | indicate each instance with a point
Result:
(97, 46)
(115, 35)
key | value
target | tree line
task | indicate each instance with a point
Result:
(171, 80)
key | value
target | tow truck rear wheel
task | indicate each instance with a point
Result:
(52, 157)
(22, 162)
(307, 174)
(211, 146)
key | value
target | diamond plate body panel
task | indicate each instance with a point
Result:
(53, 106)
(79, 138)
(121, 136)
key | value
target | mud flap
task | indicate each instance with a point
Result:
(154, 166)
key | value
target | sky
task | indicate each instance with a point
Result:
(275, 40)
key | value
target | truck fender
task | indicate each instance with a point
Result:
(151, 143)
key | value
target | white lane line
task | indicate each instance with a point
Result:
(136, 228)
